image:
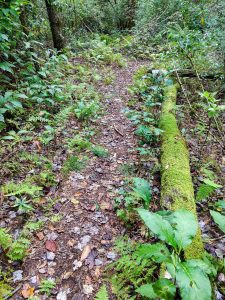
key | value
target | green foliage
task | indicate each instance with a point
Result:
(219, 219)
(23, 188)
(23, 205)
(78, 143)
(142, 190)
(18, 249)
(99, 151)
(177, 228)
(74, 163)
(206, 189)
(5, 239)
(162, 289)
(47, 286)
(5, 288)
(102, 294)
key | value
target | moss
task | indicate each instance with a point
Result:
(177, 189)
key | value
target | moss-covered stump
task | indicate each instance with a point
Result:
(177, 190)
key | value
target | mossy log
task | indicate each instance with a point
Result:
(177, 190)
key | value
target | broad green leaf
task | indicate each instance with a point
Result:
(158, 226)
(193, 283)
(205, 265)
(185, 225)
(142, 189)
(219, 219)
(164, 289)
(157, 252)
(220, 204)
(146, 290)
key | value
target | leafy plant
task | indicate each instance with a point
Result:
(99, 151)
(102, 294)
(23, 205)
(47, 286)
(219, 219)
(206, 189)
(177, 229)
(23, 188)
(142, 190)
(18, 249)
(84, 111)
(74, 163)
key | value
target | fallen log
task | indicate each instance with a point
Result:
(177, 190)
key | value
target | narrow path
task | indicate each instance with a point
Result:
(84, 237)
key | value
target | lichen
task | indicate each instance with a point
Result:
(177, 189)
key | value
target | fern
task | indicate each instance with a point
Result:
(13, 189)
(36, 119)
(102, 294)
(5, 239)
(18, 249)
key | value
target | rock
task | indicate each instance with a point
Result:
(78, 297)
(83, 242)
(12, 215)
(34, 280)
(76, 264)
(42, 271)
(98, 262)
(88, 289)
(17, 275)
(50, 255)
(62, 295)
(112, 255)
(52, 236)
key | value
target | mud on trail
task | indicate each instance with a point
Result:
(76, 249)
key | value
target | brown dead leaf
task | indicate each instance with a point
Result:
(40, 235)
(27, 291)
(71, 243)
(75, 201)
(37, 145)
(98, 272)
(51, 246)
(105, 206)
(67, 275)
(85, 253)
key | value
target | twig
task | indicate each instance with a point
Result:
(117, 130)
(216, 239)
(13, 293)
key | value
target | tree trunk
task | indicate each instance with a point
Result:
(177, 190)
(54, 25)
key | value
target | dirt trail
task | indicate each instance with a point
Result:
(84, 237)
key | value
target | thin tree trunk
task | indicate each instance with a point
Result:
(54, 25)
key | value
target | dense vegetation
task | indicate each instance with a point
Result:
(55, 58)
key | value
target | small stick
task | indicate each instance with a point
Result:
(13, 293)
(117, 130)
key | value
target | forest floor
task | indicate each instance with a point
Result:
(77, 209)
(76, 249)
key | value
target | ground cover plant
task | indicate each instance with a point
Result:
(112, 149)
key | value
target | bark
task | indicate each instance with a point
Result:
(54, 25)
(177, 190)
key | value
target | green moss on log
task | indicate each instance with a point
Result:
(177, 190)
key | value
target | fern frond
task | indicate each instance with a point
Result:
(206, 189)
(102, 294)
(13, 189)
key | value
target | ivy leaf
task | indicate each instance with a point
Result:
(146, 290)
(157, 252)
(158, 226)
(219, 219)
(194, 284)
(164, 289)
(185, 225)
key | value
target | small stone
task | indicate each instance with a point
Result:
(42, 271)
(88, 289)
(221, 277)
(34, 280)
(52, 236)
(112, 255)
(62, 295)
(98, 262)
(17, 275)
(76, 264)
(83, 242)
(50, 255)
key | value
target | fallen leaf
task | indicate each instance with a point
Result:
(37, 144)
(105, 206)
(27, 291)
(51, 246)
(40, 235)
(97, 272)
(85, 253)
(75, 201)
(71, 243)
